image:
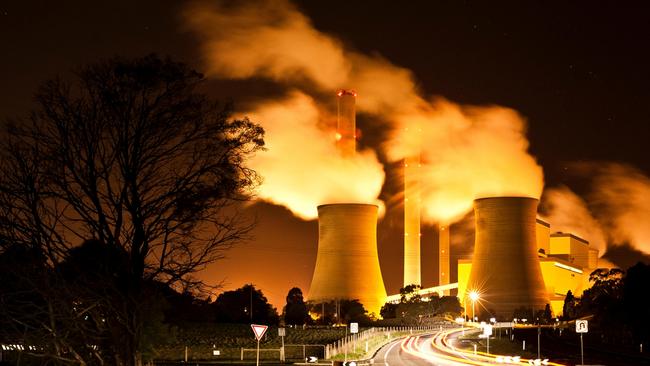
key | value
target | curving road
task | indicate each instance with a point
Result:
(438, 349)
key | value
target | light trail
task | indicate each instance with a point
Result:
(442, 352)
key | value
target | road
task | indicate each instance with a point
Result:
(438, 349)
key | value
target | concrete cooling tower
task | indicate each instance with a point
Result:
(347, 263)
(505, 267)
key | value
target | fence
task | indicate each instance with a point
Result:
(370, 339)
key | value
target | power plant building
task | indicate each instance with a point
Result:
(563, 260)
(517, 263)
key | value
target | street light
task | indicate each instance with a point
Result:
(465, 305)
(473, 295)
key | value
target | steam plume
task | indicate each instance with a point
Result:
(467, 152)
(272, 39)
(302, 167)
(620, 198)
(567, 212)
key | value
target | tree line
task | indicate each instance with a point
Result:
(124, 179)
(617, 305)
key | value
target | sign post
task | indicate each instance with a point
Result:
(539, 335)
(487, 332)
(582, 326)
(354, 329)
(282, 332)
(259, 331)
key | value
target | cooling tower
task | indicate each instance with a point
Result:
(346, 126)
(347, 264)
(412, 271)
(505, 268)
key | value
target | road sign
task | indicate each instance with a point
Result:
(312, 359)
(216, 352)
(582, 326)
(354, 327)
(282, 332)
(259, 330)
(487, 330)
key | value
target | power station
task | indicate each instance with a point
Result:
(347, 261)
(517, 262)
(505, 269)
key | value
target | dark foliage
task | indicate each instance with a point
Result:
(617, 304)
(132, 160)
(636, 301)
(413, 308)
(296, 312)
(245, 305)
(339, 312)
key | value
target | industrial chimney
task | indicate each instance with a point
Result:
(443, 256)
(347, 263)
(505, 269)
(412, 270)
(346, 126)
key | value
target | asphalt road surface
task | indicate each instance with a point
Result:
(438, 349)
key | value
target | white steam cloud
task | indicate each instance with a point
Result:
(620, 198)
(302, 167)
(466, 152)
(568, 213)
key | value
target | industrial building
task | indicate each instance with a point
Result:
(517, 262)
(563, 260)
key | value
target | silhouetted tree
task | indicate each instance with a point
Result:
(339, 312)
(636, 301)
(388, 311)
(295, 312)
(547, 315)
(569, 307)
(409, 294)
(130, 155)
(449, 305)
(524, 313)
(245, 305)
(604, 298)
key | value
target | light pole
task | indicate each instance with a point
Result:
(465, 304)
(473, 295)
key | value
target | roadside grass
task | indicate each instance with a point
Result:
(499, 345)
(202, 338)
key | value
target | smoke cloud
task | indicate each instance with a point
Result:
(302, 167)
(568, 213)
(466, 152)
(620, 197)
(270, 39)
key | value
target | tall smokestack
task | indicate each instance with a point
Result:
(443, 255)
(412, 271)
(347, 263)
(346, 127)
(505, 268)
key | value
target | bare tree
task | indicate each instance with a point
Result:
(130, 155)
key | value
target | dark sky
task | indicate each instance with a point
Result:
(578, 71)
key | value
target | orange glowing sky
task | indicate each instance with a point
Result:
(511, 99)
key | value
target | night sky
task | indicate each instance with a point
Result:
(578, 72)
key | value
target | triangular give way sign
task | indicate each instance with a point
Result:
(259, 330)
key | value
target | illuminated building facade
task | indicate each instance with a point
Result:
(347, 263)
